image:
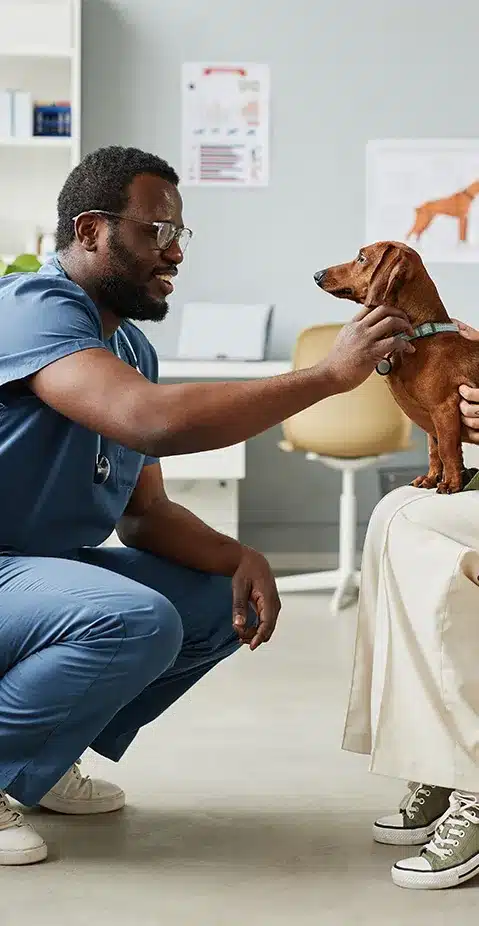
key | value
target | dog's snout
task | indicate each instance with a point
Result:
(319, 277)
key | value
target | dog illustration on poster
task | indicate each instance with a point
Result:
(425, 193)
(456, 206)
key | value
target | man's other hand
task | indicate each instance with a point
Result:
(254, 583)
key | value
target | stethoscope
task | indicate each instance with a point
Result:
(102, 464)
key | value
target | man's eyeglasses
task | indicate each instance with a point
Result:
(166, 232)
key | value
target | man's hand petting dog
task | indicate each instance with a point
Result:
(372, 335)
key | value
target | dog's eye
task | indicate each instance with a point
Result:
(361, 258)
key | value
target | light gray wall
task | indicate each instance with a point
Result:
(342, 72)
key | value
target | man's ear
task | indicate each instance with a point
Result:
(387, 279)
(86, 230)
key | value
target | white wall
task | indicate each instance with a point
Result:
(342, 72)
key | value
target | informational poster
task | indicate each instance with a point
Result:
(225, 127)
(425, 193)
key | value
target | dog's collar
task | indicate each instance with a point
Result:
(428, 328)
(425, 330)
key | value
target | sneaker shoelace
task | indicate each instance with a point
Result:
(8, 816)
(81, 779)
(462, 813)
(414, 798)
(76, 771)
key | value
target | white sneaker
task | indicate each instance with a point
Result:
(76, 794)
(20, 844)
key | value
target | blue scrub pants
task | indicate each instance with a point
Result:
(94, 646)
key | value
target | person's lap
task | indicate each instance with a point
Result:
(42, 596)
(413, 704)
(203, 600)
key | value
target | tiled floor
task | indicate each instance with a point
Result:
(242, 810)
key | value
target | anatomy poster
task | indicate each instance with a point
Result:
(225, 131)
(426, 194)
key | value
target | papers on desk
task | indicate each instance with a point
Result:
(219, 331)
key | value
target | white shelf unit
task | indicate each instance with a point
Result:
(40, 52)
(37, 141)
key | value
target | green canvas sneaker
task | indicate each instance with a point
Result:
(419, 813)
(452, 856)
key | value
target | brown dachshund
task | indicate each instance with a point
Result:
(426, 383)
(457, 206)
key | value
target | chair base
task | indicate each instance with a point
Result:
(344, 584)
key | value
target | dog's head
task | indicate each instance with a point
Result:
(375, 277)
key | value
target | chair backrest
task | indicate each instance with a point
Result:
(366, 421)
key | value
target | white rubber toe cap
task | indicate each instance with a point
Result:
(20, 844)
(395, 821)
(420, 863)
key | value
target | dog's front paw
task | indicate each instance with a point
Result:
(427, 481)
(449, 487)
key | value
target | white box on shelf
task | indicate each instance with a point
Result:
(5, 113)
(22, 112)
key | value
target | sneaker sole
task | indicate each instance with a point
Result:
(27, 857)
(435, 880)
(102, 805)
(394, 836)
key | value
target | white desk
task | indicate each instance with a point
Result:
(207, 483)
(222, 369)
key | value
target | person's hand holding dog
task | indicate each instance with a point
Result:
(469, 404)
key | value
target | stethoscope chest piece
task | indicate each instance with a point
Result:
(102, 469)
(384, 367)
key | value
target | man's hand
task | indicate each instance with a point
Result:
(469, 405)
(253, 582)
(466, 331)
(363, 342)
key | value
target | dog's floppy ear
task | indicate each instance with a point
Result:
(388, 277)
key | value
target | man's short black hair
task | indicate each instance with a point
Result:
(101, 181)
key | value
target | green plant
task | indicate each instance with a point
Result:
(24, 263)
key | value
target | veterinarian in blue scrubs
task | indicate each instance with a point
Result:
(95, 641)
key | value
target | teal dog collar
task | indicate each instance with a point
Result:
(425, 330)
(428, 328)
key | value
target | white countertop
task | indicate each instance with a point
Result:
(222, 369)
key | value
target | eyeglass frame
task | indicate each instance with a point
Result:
(116, 215)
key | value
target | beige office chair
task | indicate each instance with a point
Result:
(347, 432)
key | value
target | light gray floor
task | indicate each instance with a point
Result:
(242, 809)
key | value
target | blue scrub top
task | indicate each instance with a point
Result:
(49, 502)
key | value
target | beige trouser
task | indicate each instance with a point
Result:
(414, 703)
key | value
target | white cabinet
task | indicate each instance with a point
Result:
(208, 483)
(214, 501)
(40, 54)
(225, 463)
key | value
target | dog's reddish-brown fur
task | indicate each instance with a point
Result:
(425, 384)
(457, 206)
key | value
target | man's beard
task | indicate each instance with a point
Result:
(117, 292)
